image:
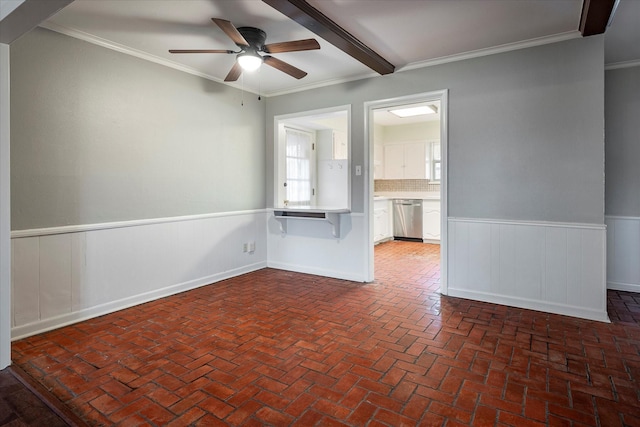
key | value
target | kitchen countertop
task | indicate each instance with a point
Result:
(424, 195)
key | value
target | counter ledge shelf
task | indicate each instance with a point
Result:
(331, 215)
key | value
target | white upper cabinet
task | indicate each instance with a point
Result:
(405, 161)
(340, 145)
(415, 161)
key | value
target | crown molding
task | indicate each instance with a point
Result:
(493, 50)
(623, 64)
(81, 35)
(324, 83)
(412, 66)
(444, 60)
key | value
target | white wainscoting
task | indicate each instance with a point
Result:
(309, 247)
(623, 253)
(552, 267)
(68, 274)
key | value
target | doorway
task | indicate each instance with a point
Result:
(407, 140)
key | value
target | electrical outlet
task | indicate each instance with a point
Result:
(245, 247)
(252, 247)
(358, 170)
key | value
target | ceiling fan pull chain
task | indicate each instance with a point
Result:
(242, 90)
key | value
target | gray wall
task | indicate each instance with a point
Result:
(100, 136)
(525, 130)
(622, 141)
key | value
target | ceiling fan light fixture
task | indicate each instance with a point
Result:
(414, 111)
(249, 61)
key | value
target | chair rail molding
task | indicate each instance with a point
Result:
(64, 275)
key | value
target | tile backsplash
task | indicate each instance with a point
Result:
(404, 185)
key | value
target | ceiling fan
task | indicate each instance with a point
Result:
(251, 40)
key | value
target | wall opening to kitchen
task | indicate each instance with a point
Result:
(407, 146)
(312, 159)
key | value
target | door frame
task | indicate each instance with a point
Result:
(369, 107)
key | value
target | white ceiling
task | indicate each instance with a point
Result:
(622, 39)
(408, 33)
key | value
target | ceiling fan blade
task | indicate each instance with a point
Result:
(200, 51)
(284, 67)
(234, 73)
(292, 46)
(231, 31)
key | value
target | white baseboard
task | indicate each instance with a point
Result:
(309, 247)
(431, 241)
(627, 287)
(623, 253)
(316, 271)
(64, 276)
(111, 307)
(554, 267)
(530, 304)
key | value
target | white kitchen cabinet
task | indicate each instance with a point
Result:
(393, 161)
(340, 145)
(431, 221)
(332, 144)
(382, 220)
(405, 161)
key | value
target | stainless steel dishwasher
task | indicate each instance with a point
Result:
(407, 219)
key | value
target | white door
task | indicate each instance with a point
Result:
(299, 167)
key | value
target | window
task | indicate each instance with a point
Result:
(298, 171)
(436, 161)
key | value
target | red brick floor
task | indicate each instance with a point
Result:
(280, 348)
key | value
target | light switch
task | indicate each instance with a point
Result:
(358, 170)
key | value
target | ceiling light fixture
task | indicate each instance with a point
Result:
(249, 61)
(414, 111)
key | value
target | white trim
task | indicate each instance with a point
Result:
(81, 35)
(442, 60)
(316, 271)
(5, 207)
(45, 325)
(529, 304)
(549, 266)
(90, 273)
(493, 50)
(534, 223)
(627, 287)
(34, 232)
(623, 64)
(623, 250)
(444, 192)
(322, 84)
(623, 218)
(90, 38)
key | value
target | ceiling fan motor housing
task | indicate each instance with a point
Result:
(254, 36)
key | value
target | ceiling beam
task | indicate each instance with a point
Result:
(595, 16)
(314, 20)
(27, 16)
